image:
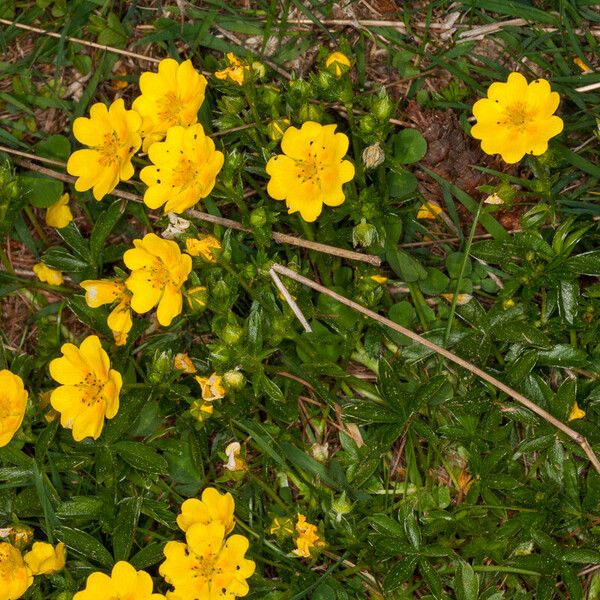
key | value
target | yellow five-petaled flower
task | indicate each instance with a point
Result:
(311, 170)
(90, 388)
(170, 97)
(185, 169)
(158, 271)
(517, 118)
(112, 135)
(15, 575)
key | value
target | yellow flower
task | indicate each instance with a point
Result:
(48, 275)
(170, 97)
(576, 413)
(45, 559)
(124, 583)
(59, 215)
(338, 63)
(158, 270)
(429, 210)
(107, 291)
(307, 538)
(583, 66)
(236, 71)
(517, 118)
(234, 462)
(15, 576)
(213, 508)
(204, 246)
(89, 388)
(311, 170)
(197, 297)
(201, 410)
(184, 363)
(112, 136)
(209, 566)
(185, 168)
(212, 387)
(13, 401)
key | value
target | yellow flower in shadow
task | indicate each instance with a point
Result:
(13, 401)
(47, 275)
(113, 138)
(517, 118)
(170, 97)
(158, 271)
(59, 215)
(338, 63)
(185, 168)
(107, 291)
(89, 389)
(123, 583)
(235, 72)
(311, 170)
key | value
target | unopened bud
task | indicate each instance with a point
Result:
(161, 368)
(383, 106)
(197, 297)
(277, 128)
(234, 380)
(364, 234)
(232, 334)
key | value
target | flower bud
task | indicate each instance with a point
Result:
(310, 112)
(368, 124)
(325, 80)
(232, 334)
(341, 507)
(258, 69)
(364, 234)
(234, 380)
(383, 107)
(373, 156)
(259, 217)
(300, 89)
(19, 536)
(320, 452)
(161, 367)
(277, 128)
(232, 105)
(269, 94)
(196, 298)
(337, 64)
(220, 290)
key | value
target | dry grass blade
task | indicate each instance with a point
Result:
(574, 435)
(291, 302)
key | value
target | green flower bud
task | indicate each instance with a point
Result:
(382, 107)
(220, 290)
(270, 95)
(368, 124)
(325, 80)
(364, 234)
(196, 298)
(161, 367)
(234, 380)
(310, 112)
(277, 128)
(232, 105)
(341, 507)
(232, 334)
(259, 217)
(300, 89)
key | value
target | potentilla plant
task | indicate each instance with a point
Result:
(198, 363)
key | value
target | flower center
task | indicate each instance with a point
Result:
(184, 174)
(93, 389)
(159, 275)
(516, 114)
(308, 170)
(110, 149)
(169, 109)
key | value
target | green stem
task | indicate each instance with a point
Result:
(419, 302)
(30, 214)
(467, 250)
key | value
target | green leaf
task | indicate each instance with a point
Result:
(466, 583)
(54, 146)
(41, 191)
(400, 573)
(409, 146)
(129, 411)
(104, 225)
(127, 519)
(587, 263)
(401, 183)
(405, 266)
(63, 260)
(149, 555)
(435, 283)
(86, 545)
(582, 556)
(141, 456)
(520, 332)
(411, 528)
(82, 507)
(563, 355)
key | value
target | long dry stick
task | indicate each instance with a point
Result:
(280, 238)
(574, 435)
(291, 302)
